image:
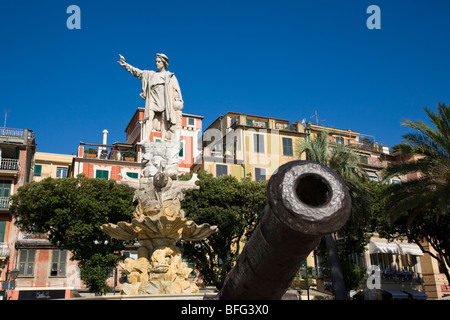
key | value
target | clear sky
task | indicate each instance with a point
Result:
(281, 59)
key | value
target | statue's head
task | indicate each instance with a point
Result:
(161, 61)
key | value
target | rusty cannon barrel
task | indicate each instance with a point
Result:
(306, 200)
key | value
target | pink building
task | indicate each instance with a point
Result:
(17, 150)
(120, 159)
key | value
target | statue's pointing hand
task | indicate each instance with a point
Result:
(122, 61)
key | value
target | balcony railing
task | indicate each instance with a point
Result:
(4, 202)
(4, 250)
(11, 132)
(9, 164)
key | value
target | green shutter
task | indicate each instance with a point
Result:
(133, 175)
(2, 231)
(181, 154)
(37, 170)
(102, 174)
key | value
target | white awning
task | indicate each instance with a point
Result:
(410, 248)
(377, 245)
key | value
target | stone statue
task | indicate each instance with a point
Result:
(159, 222)
(163, 100)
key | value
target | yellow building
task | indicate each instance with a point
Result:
(435, 281)
(240, 144)
(51, 165)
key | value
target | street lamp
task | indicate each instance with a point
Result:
(13, 274)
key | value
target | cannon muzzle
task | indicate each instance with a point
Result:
(306, 200)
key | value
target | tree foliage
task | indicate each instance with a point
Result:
(71, 211)
(432, 149)
(420, 208)
(232, 205)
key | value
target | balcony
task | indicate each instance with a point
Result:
(9, 164)
(16, 136)
(9, 167)
(4, 203)
(106, 152)
(4, 250)
(11, 132)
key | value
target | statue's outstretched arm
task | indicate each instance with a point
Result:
(134, 71)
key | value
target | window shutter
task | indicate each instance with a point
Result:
(22, 261)
(258, 141)
(102, 174)
(37, 170)
(181, 154)
(287, 147)
(62, 263)
(2, 230)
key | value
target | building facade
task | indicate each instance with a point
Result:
(46, 272)
(122, 160)
(17, 152)
(239, 144)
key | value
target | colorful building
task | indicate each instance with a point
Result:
(17, 152)
(239, 144)
(122, 160)
(45, 272)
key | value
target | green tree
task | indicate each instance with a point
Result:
(432, 150)
(232, 205)
(71, 211)
(420, 208)
(353, 236)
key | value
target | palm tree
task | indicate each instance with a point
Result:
(431, 148)
(344, 162)
(426, 198)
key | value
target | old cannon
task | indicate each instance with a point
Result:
(306, 200)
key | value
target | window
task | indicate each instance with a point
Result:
(260, 174)
(221, 170)
(364, 159)
(373, 176)
(340, 140)
(191, 121)
(258, 141)
(181, 154)
(5, 192)
(102, 174)
(133, 175)
(26, 262)
(2, 230)
(61, 172)
(37, 170)
(58, 267)
(287, 147)
(395, 180)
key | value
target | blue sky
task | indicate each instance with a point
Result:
(281, 59)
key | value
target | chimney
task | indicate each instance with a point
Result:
(105, 136)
